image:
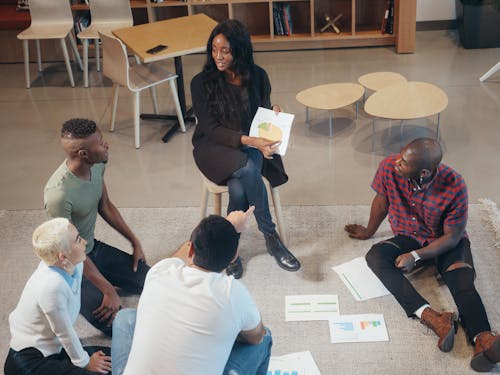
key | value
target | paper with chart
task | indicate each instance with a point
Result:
(276, 127)
(358, 328)
(311, 307)
(360, 280)
(300, 363)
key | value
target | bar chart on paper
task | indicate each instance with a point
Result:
(300, 363)
(358, 328)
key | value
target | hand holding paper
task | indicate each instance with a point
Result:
(273, 126)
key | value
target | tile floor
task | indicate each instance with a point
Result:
(322, 170)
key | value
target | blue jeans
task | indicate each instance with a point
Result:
(121, 342)
(246, 188)
(245, 359)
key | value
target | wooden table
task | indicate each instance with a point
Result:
(407, 101)
(330, 97)
(379, 80)
(183, 36)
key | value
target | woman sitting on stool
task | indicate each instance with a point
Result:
(226, 95)
(43, 338)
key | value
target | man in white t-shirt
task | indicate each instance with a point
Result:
(192, 318)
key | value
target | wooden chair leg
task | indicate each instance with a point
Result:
(68, 64)
(279, 214)
(38, 55)
(175, 96)
(154, 99)
(85, 63)
(114, 104)
(217, 203)
(137, 119)
(72, 41)
(26, 53)
(204, 201)
(97, 55)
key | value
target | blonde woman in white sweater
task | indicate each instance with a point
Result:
(43, 338)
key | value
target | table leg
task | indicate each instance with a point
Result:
(373, 134)
(357, 104)
(187, 114)
(401, 134)
(330, 122)
(307, 117)
(437, 130)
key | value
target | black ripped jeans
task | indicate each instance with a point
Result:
(460, 281)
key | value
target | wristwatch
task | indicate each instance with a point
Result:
(415, 256)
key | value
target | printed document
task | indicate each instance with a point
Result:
(275, 127)
(311, 307)
(360, 280)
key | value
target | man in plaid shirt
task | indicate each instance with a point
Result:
(426, 203)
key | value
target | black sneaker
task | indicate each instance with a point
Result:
(235, 269)
(281, 254)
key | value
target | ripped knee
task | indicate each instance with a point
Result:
(458, 265)
(389, 242)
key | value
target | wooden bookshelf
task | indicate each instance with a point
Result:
(359, 25)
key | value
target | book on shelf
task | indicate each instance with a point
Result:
(389, 27)
(288, 18)
(386, 16)
(282, 19)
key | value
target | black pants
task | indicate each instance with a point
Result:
(116, 266)
(30, 361)
(460, 282)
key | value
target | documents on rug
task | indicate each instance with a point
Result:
(360, 280)
(311, 307)
(301, 363)
(358, 328)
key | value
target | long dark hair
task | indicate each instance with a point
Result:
(220, 101)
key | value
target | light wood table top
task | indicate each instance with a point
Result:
(331, 96)
(182, 35)
(379, 80)
(405, 101)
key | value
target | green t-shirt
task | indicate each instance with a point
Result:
(67, 195)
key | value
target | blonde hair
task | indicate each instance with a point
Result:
(50, 239)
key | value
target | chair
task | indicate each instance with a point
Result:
(136, 78)
(217, 190)
(106, 15)
(50, 19)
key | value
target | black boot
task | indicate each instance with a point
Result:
(235, 268)
(283, 256)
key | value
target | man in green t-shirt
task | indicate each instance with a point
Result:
(77, 192)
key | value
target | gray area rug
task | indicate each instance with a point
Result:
(316, 236)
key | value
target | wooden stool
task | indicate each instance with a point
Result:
(217, 190)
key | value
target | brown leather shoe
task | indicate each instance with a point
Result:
(443, 324)
(486, 351)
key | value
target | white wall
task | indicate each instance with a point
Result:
(435, 10)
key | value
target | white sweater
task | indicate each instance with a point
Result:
(46, 312)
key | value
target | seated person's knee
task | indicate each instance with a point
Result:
(458, 265)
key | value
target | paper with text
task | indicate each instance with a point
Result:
(311, 307)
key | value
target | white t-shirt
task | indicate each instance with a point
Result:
(188, 320)
(44, 317)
